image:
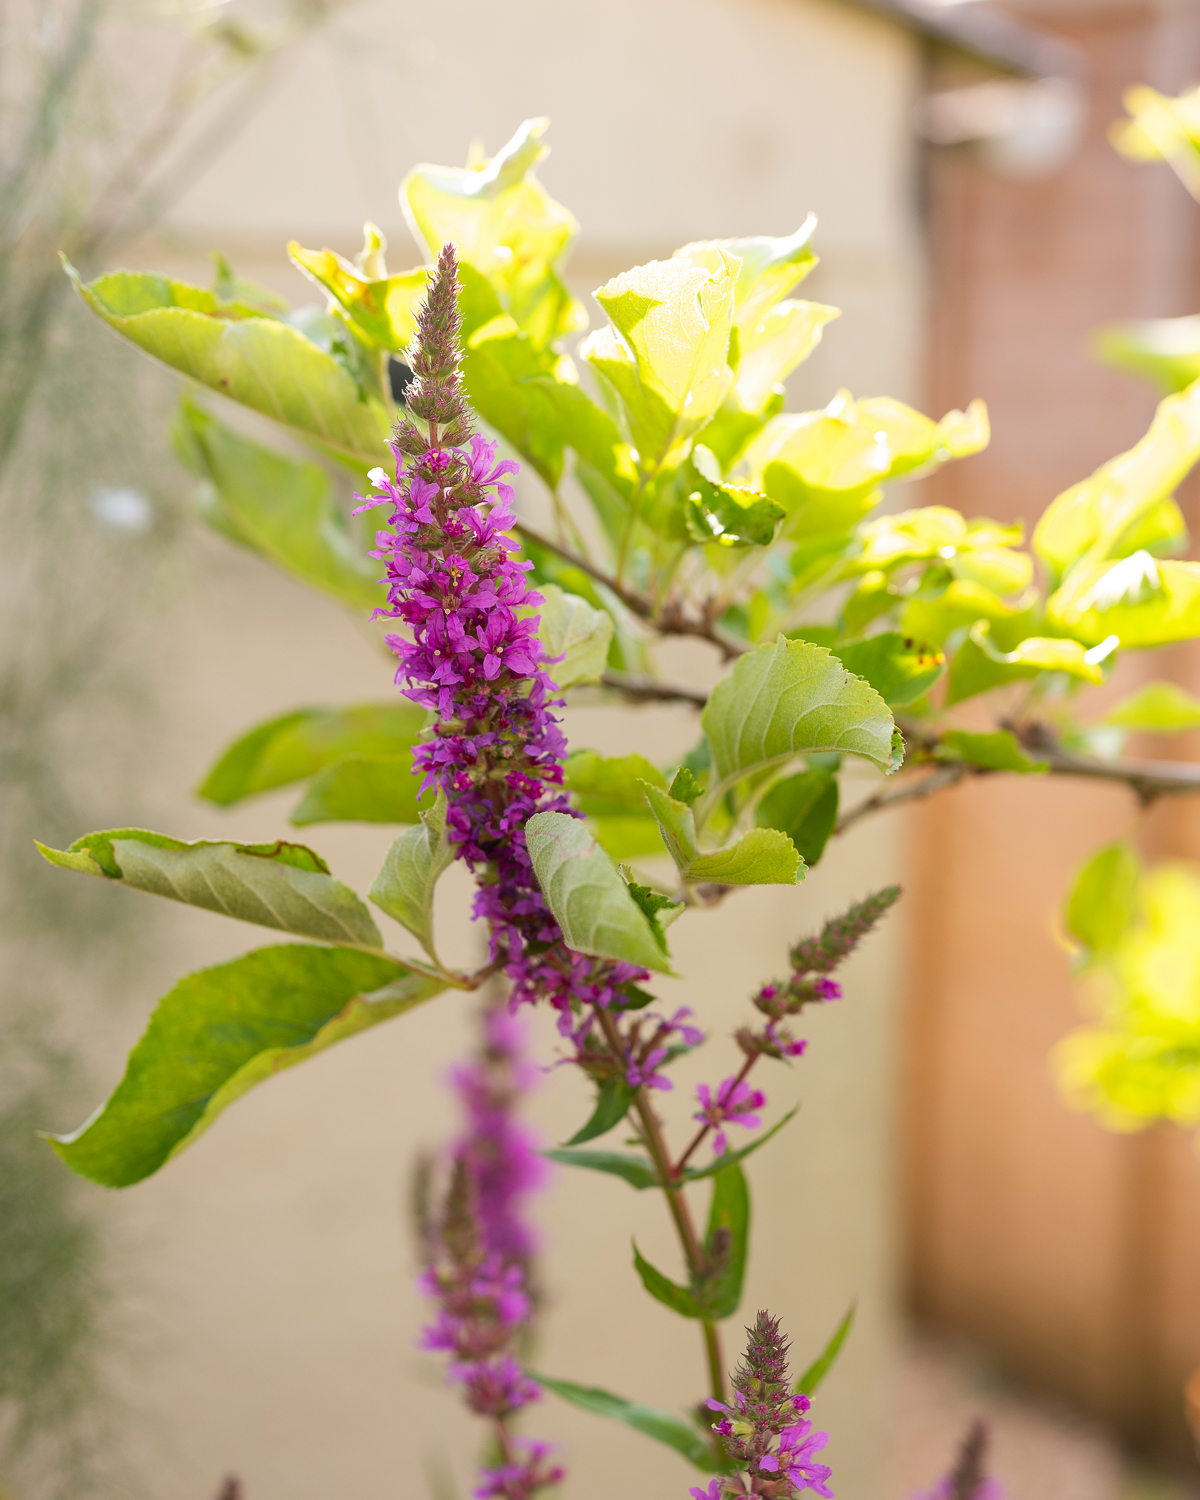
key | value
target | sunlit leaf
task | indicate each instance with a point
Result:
(361, 789)
(1165, 351)
(770, 350)
(264, 363)
(768, 268)
(962, 603)
(1101, 517)
(589, 900)
(279, 885)
(505, 224)
(1139, 600)
(664, 354)
(1158, 707)
(764, 856)
(221, 1031)
(382, 309)
(979, 551)
(978, 666)
(1102, 902)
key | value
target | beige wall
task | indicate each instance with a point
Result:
(283, 1272)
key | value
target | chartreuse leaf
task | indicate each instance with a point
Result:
(979, 551)
(768, 268)
(898, 667)
(961, 604)
(571, 629)
(361, 789)
(1126, 506)
(676, 824)
(999, 751)
(663, 1426)
(1157, 708)
(768, 352)
(725, 513)
(261, 362)
(221, 1031)
(791, 698)
(821, 1366)
(609, 790)
(1102, 903)
(1165, 351)
(727, 1242)
(405, 885)
(504, 224)
(297, 745)
(664, 353)
(585, 892)
(1137, 602)
(612, 1105)
(282, 508)
(978, 666)
(383, 309)
(805, 807)
(279, 885)
(668, 1292)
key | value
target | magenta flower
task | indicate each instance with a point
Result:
(795, 1461)
(713, 1492)
(524, 1473)
(734, 1101)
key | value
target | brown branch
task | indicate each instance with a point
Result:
(670, 620)
(912, 791)
(651, 690)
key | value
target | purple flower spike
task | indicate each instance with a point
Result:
(734, 1101)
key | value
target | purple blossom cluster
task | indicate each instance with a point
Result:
(733, 1102)
(763, 1430)
(478, 1251)
(474, 659)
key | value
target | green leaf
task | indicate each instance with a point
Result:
(728, 1241)
(1158, 707)
(664, 1427)
(791, 698)
(611, 784)
(505, 371)
(280, 885)
(381, 309)
(664, 354)
(297, 745)
(763, 856)
(612, 1105)
(978, 551)
(1102, 903)
(897, 667)
(731, 1158)
(768, 353)
(805, 807)
(685, 788)
(676, 823)
(1000, 751)
(589, 900)
(659, 910)
(635, 1170)
(1138, 602)
(963, 603)
(261, 362)
(978, 666)
(221, 1031)
(1165, 351)
(581, 635)
(729, 514)
(282, 508)
(405, 885)
(1100, 518)
(506, 226)
(820, 1366)
(668, 1292)
(360, 789)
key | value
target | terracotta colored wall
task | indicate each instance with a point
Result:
(1072, 1253)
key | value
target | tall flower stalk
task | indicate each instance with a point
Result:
(478, 1250)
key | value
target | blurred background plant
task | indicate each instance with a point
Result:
(89, 520)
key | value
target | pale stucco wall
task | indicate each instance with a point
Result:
(281, 1261)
